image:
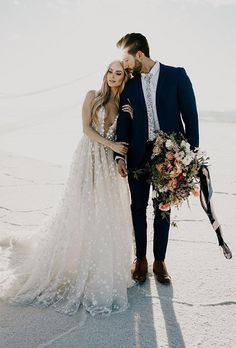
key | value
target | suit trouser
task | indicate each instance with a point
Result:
(139, 189)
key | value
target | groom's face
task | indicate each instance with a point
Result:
(131, 63)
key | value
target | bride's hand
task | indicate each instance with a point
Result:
(120, 147)
(128, 108)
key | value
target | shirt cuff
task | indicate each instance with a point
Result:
(119, 157)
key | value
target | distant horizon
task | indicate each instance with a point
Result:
(46, 43)
(218, 111)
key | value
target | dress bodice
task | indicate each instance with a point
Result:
(100, 127)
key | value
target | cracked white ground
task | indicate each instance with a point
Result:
(197, 310)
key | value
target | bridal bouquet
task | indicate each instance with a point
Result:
(174, 170)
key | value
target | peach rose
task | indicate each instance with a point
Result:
(172, 184)
(178, 165)
(159, 167)
(159, 141)
(177, 170)
(195, 192)
(174, 173)
(169, 167)
(156, 150)
(164, 206)
(174, 200)
(169, 155)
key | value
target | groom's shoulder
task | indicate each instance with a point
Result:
(131, 83)
(172, 70)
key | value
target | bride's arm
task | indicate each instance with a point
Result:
(91, 133)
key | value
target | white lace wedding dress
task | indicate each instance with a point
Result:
(83, 254)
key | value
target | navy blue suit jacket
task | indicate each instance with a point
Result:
(176, 110)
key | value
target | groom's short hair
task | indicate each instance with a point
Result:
(134, 42)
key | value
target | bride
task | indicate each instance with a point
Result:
(82, 255)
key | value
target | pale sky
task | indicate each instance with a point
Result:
(50, 42)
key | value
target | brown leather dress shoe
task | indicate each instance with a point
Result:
(140, 269)
(160, 270)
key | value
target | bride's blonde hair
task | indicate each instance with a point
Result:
(102, 96)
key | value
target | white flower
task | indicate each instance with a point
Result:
(187, 160)
(179, 155)
(169, 144)
(201, 153)
(185, 144)
(188, 146)
(163, 189)
(155, 194)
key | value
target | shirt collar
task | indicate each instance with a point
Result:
(155, 69)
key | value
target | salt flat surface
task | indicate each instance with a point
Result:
(197, 310)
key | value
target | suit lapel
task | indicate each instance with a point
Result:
(161, 79)
(141, 95)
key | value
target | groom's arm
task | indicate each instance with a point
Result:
(123, 122)
(188, 108)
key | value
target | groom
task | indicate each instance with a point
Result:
(162, 98)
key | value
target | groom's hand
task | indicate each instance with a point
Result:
(122, 169)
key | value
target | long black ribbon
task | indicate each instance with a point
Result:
(206, 192)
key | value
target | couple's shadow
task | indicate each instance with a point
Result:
(173, 329)
(149, 322)
(153, 304)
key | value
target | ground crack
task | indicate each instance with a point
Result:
(191, 241)
(224, 303)
(26, 211)
(14, 224)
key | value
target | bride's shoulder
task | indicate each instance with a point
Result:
(90, 95)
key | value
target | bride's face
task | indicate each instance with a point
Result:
(115, 74)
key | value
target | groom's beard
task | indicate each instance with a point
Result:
(137, 68)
